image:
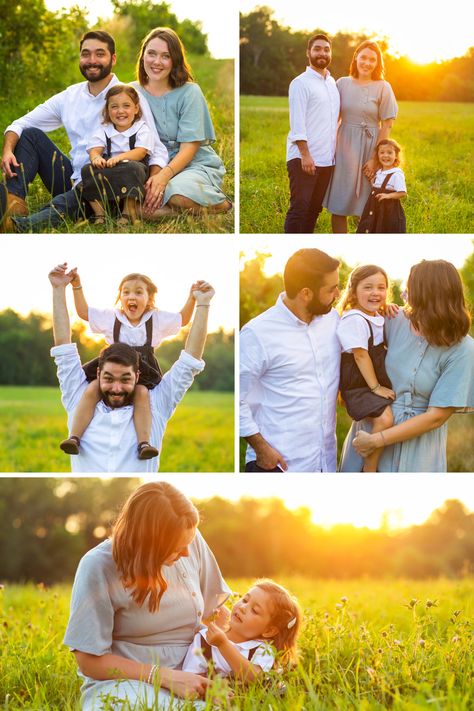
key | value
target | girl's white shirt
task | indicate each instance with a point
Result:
(354, 332)
(165, 324)
(120, 139)
(396, 182)
(196, 662)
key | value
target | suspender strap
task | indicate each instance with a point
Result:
(108, 143)
(149, 330)
(207, 650)
(385, 181)
(117, 327)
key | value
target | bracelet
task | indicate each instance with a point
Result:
(203, 306)
(172, 171)
(384, 444)
(152, 674)
(373, 389)
(76, 288)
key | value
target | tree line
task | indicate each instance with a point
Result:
(271, 55)
(25, 343)
(46, 525)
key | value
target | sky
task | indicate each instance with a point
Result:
(172, 262)
(425, 30)
(219, 19)
(396, 255)
(360, 499)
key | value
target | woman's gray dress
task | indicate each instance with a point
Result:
(422, 376)
(105, 620)
(363, 107)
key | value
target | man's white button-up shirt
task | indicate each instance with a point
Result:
(79, 112)
(109, 444)
(288, 386)
(314, 114)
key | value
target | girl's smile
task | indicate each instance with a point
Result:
(134, 300)
(387, 156)
(371, 294)
(122, 111)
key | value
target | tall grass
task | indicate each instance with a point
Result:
(437, 141)
(365, 645)
(198, 438)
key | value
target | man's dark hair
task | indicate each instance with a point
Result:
(101, 36)
(306, 268)
(318, 36)
(120, 353)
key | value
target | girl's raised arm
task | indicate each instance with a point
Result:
(80, 302)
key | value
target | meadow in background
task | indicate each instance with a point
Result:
(49, 63)
(434, 124)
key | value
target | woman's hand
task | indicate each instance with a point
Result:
(186, 685)
(364, 444)
(155, 188)
(370, 168)
(391, 310)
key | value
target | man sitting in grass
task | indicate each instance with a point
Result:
(109, 443)
(28, 152)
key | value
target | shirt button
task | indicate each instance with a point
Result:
(371, 213)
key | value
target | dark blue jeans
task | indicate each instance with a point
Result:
(306, 197)
(38, 155)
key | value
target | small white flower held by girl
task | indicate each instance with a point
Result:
(365, 386)
(264, 622)
(141, 325)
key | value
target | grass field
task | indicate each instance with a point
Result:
(394, 644)
(216, 78)
(199, 437)
(437, 141)
(460, 436)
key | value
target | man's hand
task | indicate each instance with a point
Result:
(364, 444)
(9, 162)
(268, 457)
(215, 635)
(307, 164)
(202, 292)
(60, 277)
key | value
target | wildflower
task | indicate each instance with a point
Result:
(371, 672)
(344, 599)
(421, 642)
(339, 606)
(455, 638)
(2, 587)
(432, 603)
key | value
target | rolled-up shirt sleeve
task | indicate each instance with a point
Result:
(175, 383)
(46, 116)
(72, 379)
(298, 99)
(253, 364)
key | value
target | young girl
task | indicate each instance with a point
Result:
(383, 212)
(264, 621)
(139, 324)
(118, 151)
(365, 386)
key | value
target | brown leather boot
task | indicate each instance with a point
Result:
(10, 205)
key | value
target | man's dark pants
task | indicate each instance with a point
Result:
(38, 155)
(306, 197)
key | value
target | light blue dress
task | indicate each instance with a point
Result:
(422, 376)
(182, 116)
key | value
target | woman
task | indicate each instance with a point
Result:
(430, 361)
(368, 110)
(193, 177)
(138, 600)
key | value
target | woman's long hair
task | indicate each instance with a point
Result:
(180, 70)
(147, 531)
(348, 298)
(379, 69)
(436, 304)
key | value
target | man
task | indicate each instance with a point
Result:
(28, 152)
(289, 369)
(311, 144)
(110, 444)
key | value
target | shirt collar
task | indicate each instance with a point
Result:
(284, 310)
(123, 319)
(112, 131)
(316, 74)
(249, 644)
(101, 94)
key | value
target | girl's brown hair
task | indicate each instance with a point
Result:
(146, 533)
(436, 304)
(121, 89)
(180, 70)
(150, 287)
(286, 617)
(348, 298)
(379, 69)
(396, 147)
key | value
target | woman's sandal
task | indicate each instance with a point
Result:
(146, 451)
(97, 220)
(71, 445)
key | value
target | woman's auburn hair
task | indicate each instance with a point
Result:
(348, 298)
(436, 304)
(379, 70)
(151, 288)
(284, 609)
(180, 70)
(147, 531)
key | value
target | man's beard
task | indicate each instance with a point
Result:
(104, 71)
(127, 398)
(316, 308)
(320, 62)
